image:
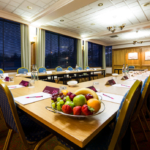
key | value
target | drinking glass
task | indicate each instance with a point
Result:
(25, 72)
(44, 71)
(97, 86)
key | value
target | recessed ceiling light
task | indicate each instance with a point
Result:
(61, 20)
(147, 4)
(92, 23)
(29, 7)
(100, 4)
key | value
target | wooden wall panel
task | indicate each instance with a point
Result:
(120, 57)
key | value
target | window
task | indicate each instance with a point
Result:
(60, 51)
(108, 54)
(94, 55)
(10, 45)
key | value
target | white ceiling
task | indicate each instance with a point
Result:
(132, 13)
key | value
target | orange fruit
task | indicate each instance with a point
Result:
(94, 103)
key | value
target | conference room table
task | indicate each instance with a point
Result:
(76, 132)
(65, 73)
(135, 69)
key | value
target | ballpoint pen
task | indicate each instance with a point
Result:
(34, 97)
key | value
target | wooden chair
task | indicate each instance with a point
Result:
(28, 130)
(111, 139)
(145, 92)
(22, 70)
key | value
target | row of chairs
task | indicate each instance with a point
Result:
(43, 69)
(133, 102)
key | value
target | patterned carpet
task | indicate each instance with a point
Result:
(52, 143)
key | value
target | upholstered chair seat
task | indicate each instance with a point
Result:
(22, 70)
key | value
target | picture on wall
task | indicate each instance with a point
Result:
(147, 55)
(132, 55)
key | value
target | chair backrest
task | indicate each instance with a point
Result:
(87, 67)
(145, 92)
(79, 68)
(41, 69)
(1, 71)
(9, 112)
(131, 67)
(22, 70)
(126, 113)
(58, 68)
(69, 68)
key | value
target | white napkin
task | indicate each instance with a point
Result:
(67, 70)
(29, 73)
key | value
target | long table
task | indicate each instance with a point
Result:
(135, 69)
(64, 74)
(76, 132)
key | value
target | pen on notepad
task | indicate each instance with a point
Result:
(34, 97)
(125, 85)
(108, 96)
(13, 87)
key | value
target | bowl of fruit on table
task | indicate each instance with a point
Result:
(82, 103)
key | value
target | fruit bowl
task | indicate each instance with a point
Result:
(76, 116)
(72, 83)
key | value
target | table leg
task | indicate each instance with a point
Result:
(104, 73)
(90, 75)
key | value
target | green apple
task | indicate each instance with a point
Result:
(70, 103)
(79, 100)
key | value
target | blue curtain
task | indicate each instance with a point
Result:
(94, 55)
(108, 54)
(60, 50)
(10, 45)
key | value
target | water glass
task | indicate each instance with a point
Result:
(97, 86)
(25, 72)
(44, 71)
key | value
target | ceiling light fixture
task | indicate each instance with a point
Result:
(29, 7)
(147, 4)
(92, 23)
(113, 28)
(134, 42)
(61, 20)
(100, 4)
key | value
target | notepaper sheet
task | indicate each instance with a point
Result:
(49, 72)
(15, 86)
(114, 98)
(24, 100)
(122, 85)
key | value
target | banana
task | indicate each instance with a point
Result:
(85, 91)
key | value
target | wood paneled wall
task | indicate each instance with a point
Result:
(120, 57)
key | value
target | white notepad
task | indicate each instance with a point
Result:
(122, 85)
(111, 97)
(24, 100)
(15, 86)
